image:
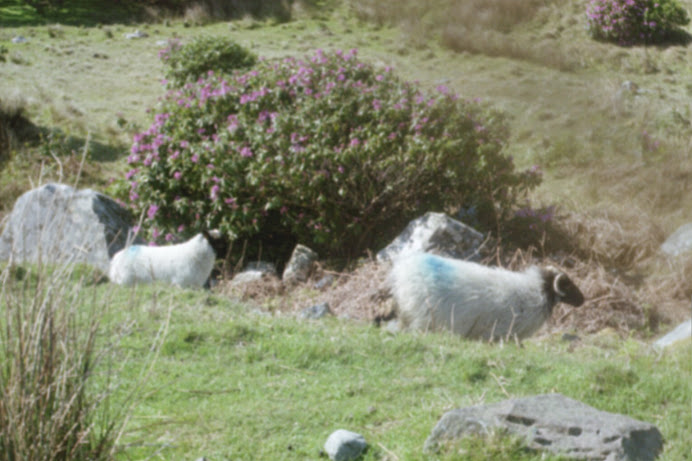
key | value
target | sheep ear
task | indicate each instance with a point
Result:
(556, 285)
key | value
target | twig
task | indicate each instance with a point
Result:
(388, 451)
(499, 383)
(286, 367)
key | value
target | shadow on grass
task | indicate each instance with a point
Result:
(89, 13)
(55, 141)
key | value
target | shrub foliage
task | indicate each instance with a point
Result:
(328, 151)
(629, 22)
(187, 63)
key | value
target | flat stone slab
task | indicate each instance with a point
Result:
(61, 224)
(555, 423)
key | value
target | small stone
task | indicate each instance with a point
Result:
(300, 265)
(679, 242)
(316, 312)
(343, 445)
(262, 266)
(630, 87)
(20, 39)
(324, 282)
(247, 276)
(136, 34)
(254, 271)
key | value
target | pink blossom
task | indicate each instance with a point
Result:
(153, 208)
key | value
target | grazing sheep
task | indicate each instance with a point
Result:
(476, 301)
(186, 264)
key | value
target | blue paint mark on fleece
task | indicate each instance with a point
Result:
(438, 269)
(133, 249)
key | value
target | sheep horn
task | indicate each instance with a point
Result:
(556, 285)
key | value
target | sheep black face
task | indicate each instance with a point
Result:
(562, 288)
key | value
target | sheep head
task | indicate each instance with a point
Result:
(561, 287)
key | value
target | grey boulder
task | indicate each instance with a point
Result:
(557, 424)
(60, 224)
(437, 233)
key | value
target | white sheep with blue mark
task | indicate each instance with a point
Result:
(435, 293)
(186, 264)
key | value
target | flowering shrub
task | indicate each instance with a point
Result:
(187, 63)
(328, 151)
(634, 21)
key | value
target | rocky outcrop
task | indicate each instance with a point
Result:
(557, 424)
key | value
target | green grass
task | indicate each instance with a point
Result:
(213, 378)
(89, 13)
(233, 384)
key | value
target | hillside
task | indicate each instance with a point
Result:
(608, 126)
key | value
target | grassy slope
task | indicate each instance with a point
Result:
(576, 124)
(232, 384)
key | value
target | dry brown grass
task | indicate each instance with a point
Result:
(611, 255)
(620, 238)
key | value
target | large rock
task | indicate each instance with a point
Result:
(679, 242)
(61, 224)
(436, 233)
(558, 424)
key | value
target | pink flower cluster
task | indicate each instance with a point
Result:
(628, 22)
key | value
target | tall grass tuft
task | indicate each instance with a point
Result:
(49, 351)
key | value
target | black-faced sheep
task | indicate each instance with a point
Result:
(187, 264)
(476, 301)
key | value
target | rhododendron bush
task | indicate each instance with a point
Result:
(328, 151)
(629, 22)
